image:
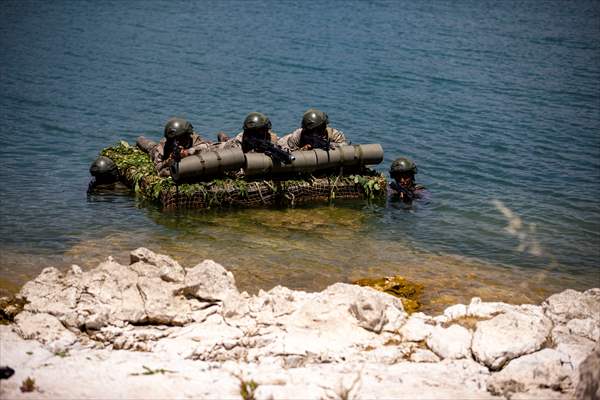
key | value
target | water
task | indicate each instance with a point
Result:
(497, 102)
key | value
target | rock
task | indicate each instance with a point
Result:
(588, 387)
(190, 333)
(424, 355)
(574, 348)
(456, 311)
(453, 342)
(510, 335)
(570, 304)
(542, 369)
(44, 328)
(160, 304)
(480, 309)
(170, 270)
(587, 328)
(369, 312)
(210, 283)
(418, 327)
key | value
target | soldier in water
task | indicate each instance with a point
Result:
(179, 141)
(314, 133)
(403, 186)
(105, 176)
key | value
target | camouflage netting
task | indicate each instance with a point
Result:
(137, 171)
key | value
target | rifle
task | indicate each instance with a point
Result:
(176, 152)
(408, 195)
(270, 149)
(319, 142)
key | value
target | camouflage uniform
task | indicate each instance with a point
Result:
(293, 141)
(236, 141)
(163, 166)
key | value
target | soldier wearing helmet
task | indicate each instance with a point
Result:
(179, 141)
(314, 133)
(403, 185)
(256, 125)
(105, 177)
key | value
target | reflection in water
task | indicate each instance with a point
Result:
(526, 235)
(309, 249)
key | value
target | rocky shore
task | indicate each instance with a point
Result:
(154, 329)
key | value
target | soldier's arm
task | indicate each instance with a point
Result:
(156, 153)
(290, 141)
(198, 144)
(337, 136)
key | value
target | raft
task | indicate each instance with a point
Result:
(227, 189)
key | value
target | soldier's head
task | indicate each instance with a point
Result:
(104, 170)
(257, 125)
(314, 123)
(403, 171)
(179, 131)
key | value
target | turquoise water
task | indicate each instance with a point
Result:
(497, 102)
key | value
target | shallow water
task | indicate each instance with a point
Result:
(497, 102)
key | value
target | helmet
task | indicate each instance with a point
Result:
(176, 127)
(401, 165)
(256, 120)
(104, 170)
(314, 118)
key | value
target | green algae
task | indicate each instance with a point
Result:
(408, 292)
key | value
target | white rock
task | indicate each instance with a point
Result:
(507, 336)
(211, 283)
(44, 328)
(456, 311)
(480, 309)
(75, 269)
(588, 386)
(369, 311)
(424, 355)
(588, 328)
(570, 304)
(542, 369)
(575, 353)
(453, 342)
(418, 327)
(166, 264)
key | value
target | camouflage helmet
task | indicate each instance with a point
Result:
(313, 119)
(403, 165)
(177, 127)
(104, 169)
(256, 120)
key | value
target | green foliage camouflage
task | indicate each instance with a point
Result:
(137, 171)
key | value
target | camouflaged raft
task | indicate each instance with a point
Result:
(137, 171)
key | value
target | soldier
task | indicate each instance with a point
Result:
(256, 126)
(180, 141)
(105, 177)
(403, 186)
(314, 133)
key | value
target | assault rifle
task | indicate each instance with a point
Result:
(270, 149)
(407, 194)
(319, 142)
(177, 152)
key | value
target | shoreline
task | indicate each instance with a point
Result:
(154, 329)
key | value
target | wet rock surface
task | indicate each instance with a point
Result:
(154, 329)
